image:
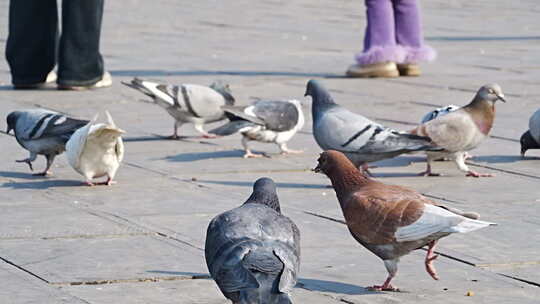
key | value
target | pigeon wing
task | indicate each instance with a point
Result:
(342, 130)
(452, 131)
(278, 115)
(436, 220)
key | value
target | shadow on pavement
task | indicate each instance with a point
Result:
(194, 156)
(152, 73)
(250, 184)
(331, 286)
(43, 184)
(498, 159)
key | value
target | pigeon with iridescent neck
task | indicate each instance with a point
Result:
(462, 130)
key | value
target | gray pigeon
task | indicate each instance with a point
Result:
(265, 121)
(42, 132)
(462, 130)
(253, 251)
(531, 138)
(360, 139)
(188, 103)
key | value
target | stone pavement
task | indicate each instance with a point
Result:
(141, 241)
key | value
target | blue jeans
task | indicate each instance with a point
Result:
(34, 45)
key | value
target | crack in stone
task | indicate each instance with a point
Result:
(134, 280)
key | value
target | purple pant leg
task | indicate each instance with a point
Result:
(393, 33)
(380, 38)
(409, 32)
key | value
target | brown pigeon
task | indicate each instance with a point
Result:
(389, 220)
(462, 130)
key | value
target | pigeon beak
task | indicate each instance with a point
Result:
(8, 129)
(317, 169)
(501, 98)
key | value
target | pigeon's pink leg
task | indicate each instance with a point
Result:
(88, 183)
(476, 174)
(386, 286)
(430, 257)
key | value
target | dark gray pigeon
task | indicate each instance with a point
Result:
(270, 121)
(42, 132)
(531, 138)
(188, 103)
(253, 251)
(360, 139)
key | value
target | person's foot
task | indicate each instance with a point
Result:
(381, 69)
(106, 81)
(408, 69)
(51, 77)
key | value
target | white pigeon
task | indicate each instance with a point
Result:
(269, 121)
(42, 132)
(531, 138)
(463, 129)
(359, 138)
(188, 103)
(96, 150)
(439, 112)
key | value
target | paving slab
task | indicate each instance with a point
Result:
(142, 239)
(18, 287)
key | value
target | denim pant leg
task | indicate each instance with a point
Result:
(79, 60)
(32, 40)
(380, 38)
(409, 32)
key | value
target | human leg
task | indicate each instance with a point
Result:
(380, 50)
(80, 63)
(32, 40)
(409, 37)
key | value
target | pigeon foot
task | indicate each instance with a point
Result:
(27, 161)
(88, 183)
(250, 154)
(386, 286)
(108, 182)
(44, 173)
(430, 257)
(428, 173)
(209, 136)
(476, 174)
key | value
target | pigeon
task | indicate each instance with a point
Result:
(360, 139)
(42, 132)
(96, 150)
(188, 103)
(531, 138)
(438, 113)
(253, 251)
(271, 121)
(462, 130)
(389, 220)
